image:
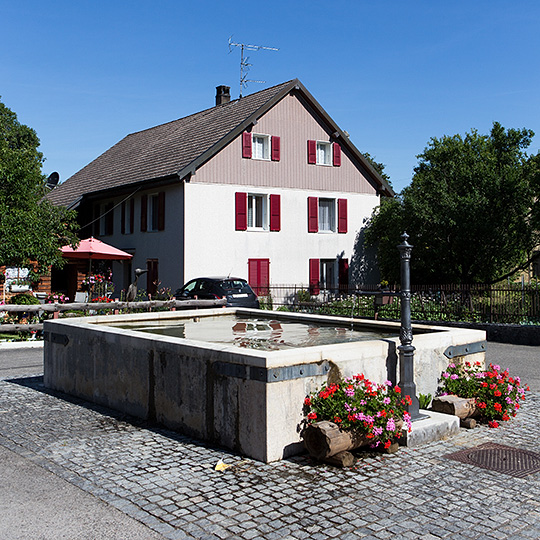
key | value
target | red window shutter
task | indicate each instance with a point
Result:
(314, 276)
(152, 277)
(336, 154)
(131, 215)
(312, 152)
(259, 275)
(246, 145)
(342, 215)
(313, 214)
(275, 212)
(161, 211)
(241, 211)
(276, 143)
(343, 274)
(123, 218)
(144, 213)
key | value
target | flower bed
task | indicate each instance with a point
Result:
(497, 395)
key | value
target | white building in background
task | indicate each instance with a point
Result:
(265, 187)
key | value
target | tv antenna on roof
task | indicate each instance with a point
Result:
(244, 60)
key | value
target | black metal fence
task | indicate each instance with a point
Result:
(512, 303)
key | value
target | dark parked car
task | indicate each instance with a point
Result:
(236, 290)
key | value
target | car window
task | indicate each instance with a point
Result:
(236, 285)
(189, 287)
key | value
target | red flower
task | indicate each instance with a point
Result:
(497, 393)
(337, 419)
(397, 389)
(493, 424)
(312, 416)
(307, 401)
(408, 400)
(481, 405)
(505, 417)
(497, 406)
(484, 384)
(387, 444)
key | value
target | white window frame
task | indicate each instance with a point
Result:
(153, 212)
(324, 153)
(330, 204)
(265, 139)
(257, 213)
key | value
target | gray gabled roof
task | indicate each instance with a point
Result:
(176, 149)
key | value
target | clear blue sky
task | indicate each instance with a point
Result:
(392, 73)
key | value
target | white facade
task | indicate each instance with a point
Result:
(213, 247)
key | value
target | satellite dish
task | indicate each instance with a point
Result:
(53, 180)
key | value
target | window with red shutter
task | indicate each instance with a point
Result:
(259, 275)
(240, 211)
(276, 148)
(336, 155)
(246, 144)
(275, 212)
(314, 276)
(342, 215)
(313, 214)
(312, 152)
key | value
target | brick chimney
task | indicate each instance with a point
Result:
(223, 94)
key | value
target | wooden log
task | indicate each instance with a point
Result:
(341, 459)
(460, 407)
(325, 439)
(468, 423)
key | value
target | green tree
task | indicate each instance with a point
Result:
(470, 210)
(31, 228)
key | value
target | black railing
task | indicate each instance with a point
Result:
(513, 303)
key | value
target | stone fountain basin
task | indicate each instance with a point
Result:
(247, 400)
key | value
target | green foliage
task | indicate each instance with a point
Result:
(31, 228)
(24, 299)
(424, 400)
(471, 210)
(266, 302)
(303, 295)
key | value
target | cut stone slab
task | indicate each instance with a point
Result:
(435, 427)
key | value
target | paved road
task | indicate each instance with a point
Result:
(72, 470)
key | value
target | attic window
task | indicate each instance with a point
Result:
(261, 147)
(324, 156)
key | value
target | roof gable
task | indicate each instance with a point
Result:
(176, 149)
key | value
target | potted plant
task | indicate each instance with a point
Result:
(495, 393)
(362, 413)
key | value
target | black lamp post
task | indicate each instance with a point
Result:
(406, 349)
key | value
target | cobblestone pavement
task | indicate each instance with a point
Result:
(168, 481)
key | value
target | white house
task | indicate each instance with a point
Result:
(265, 187)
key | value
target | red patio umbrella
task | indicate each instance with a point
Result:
(94, 249)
